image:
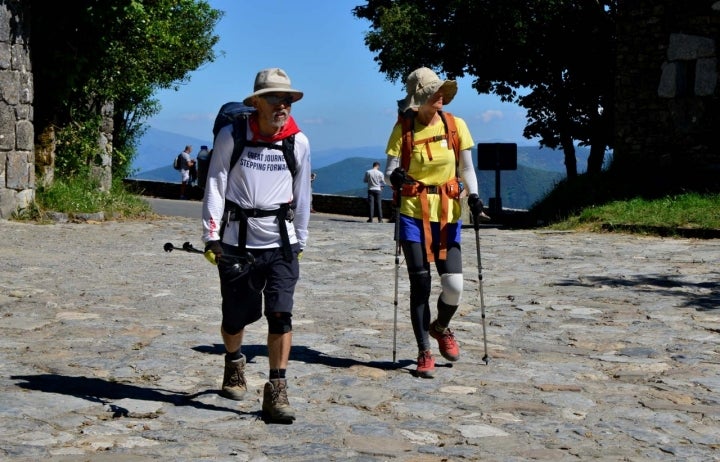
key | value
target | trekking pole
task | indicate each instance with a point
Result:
(397, 273)
(237, 261)
(187, 247)
(476, 225)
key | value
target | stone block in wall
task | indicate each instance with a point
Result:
(7, 127)
(20, 58)
(7, 203)
(706, 76)
(10, 87)
(26, 92)
(5, 53)
(24, 135)
(11, 201)
(667, 86)
(684, 47)
(5, 17)
(20, 170)
(24, 198)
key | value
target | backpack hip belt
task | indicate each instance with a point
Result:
(284, 214)
(448, 191)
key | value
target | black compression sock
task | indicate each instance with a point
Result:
(236, 356)
(277, 374)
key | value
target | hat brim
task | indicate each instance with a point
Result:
(448, 88)
(296, 94)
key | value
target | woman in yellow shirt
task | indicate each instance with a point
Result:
(429, 164)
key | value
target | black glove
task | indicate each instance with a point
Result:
(398, 178)
(476, 209)
(213, 251)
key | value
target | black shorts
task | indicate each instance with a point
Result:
(270, 277)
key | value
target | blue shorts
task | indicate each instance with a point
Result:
(271, 277)
(411, 229)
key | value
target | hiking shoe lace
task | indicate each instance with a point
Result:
(425, 365)
(449, 348)
(275, 406)
(234, 385)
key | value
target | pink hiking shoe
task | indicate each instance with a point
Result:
(446, 342)
(425, 365)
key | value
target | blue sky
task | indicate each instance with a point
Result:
(348, 103)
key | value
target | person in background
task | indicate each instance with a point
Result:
(201, 162)
(186, 163)
(429, 190)
(255, 227)
(375, 181)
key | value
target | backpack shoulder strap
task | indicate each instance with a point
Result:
(239, 133)
(288, 150)
(407, 121)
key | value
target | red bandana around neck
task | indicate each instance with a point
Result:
(290, 128)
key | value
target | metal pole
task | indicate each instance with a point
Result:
(397, 275)
(486, 358)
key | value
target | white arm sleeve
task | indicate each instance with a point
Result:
(467, 172)
(391, 164)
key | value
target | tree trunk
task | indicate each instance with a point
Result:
(596, 157)
(570, 160)
(598, 143)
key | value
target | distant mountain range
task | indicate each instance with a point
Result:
(341, 171)
(158, 149)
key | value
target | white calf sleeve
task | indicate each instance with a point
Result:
(452, 288)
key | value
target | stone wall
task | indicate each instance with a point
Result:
(326, 203)
(17, 172)
(667, 92)
(323, 203)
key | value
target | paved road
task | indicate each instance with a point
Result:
(177, 208)
(602, 347)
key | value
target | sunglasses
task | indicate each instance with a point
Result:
(274, 100)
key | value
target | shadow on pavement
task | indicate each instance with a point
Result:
(306, 355)
(104, 391)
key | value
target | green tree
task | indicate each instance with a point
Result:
(553, 57)
(89, 55)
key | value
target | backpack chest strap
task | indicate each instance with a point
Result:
(427, 141)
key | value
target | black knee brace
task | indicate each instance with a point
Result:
(420, 287)
(279, 323)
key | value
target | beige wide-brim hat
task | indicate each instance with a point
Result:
(272, 80)
(421, 84)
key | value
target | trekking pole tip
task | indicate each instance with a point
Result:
(486, 359)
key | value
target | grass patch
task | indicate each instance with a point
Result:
(77, 196)
(689, 211)
(657, 203)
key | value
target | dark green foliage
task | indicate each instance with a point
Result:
(88, 53)
(555, 58)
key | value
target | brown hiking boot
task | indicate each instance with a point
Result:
(234, 385)
(275, 405)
